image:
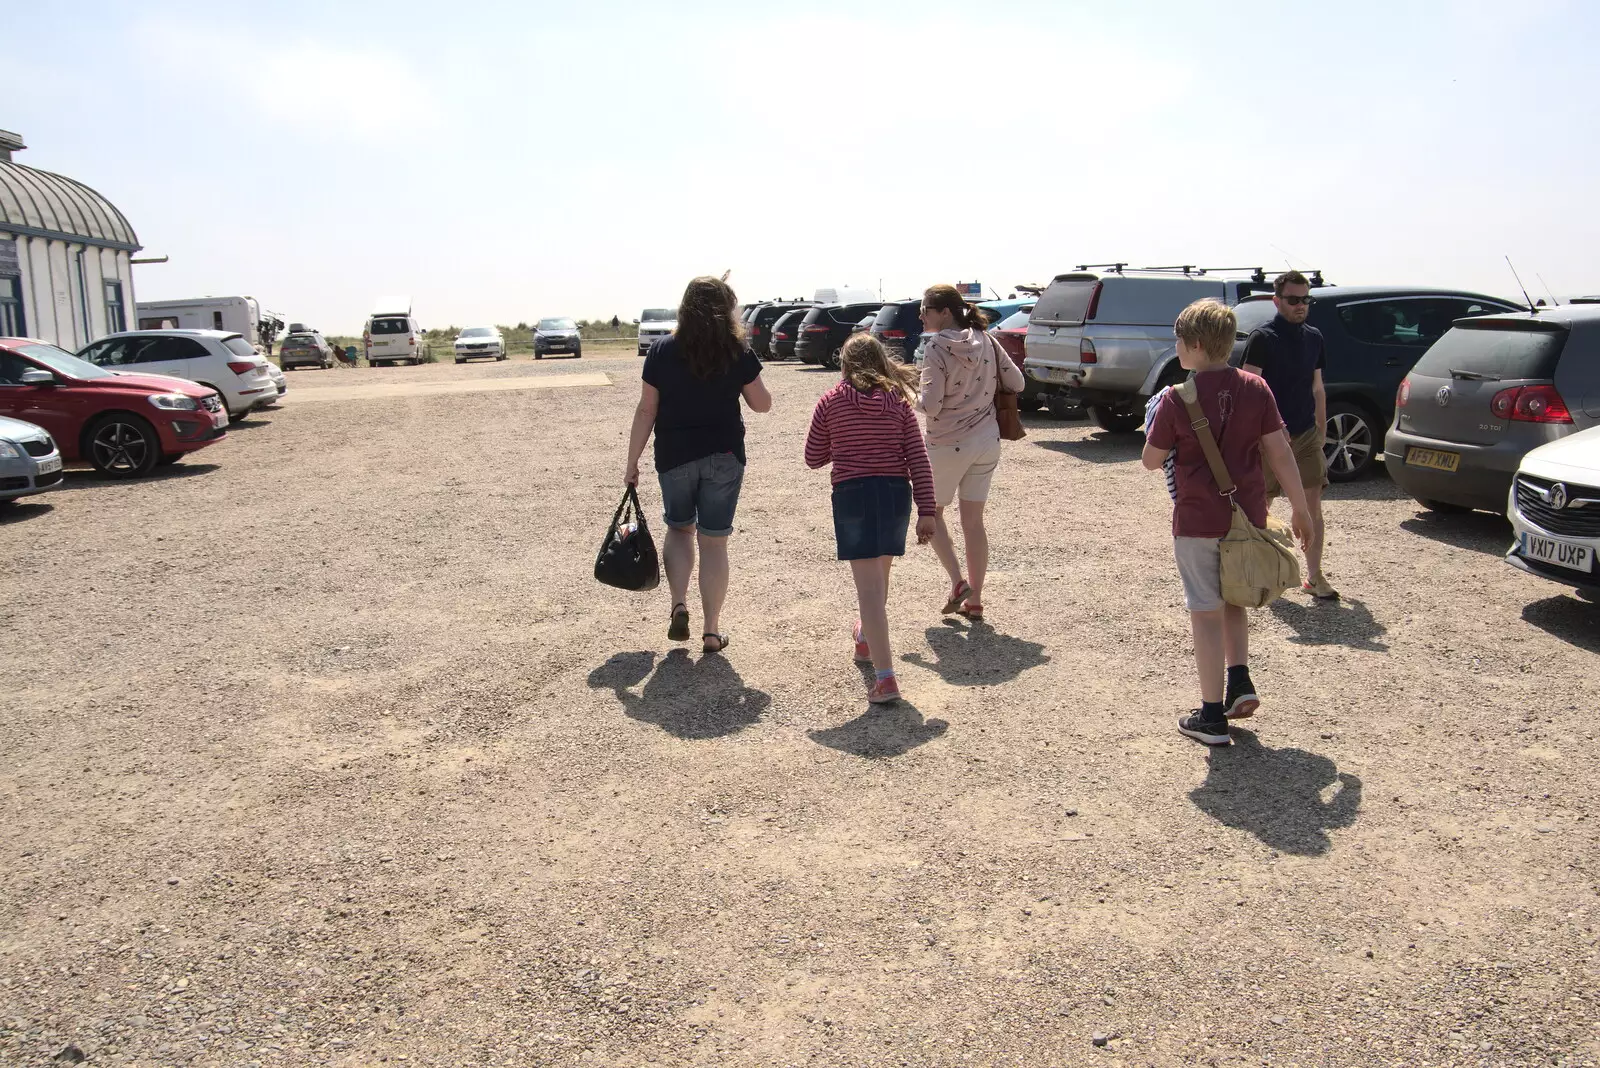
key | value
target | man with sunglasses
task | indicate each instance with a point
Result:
(1291, 355)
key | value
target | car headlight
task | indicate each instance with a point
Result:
(9, 451)
(174, 402)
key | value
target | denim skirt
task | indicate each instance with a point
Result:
(870, 516)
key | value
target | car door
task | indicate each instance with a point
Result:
(1383, 339)
(59, 410)
(180, 357)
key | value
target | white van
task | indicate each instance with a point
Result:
(845, 295)
(392, 334)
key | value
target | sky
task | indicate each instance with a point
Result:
(505, 162)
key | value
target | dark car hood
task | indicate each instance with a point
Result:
(152, 383)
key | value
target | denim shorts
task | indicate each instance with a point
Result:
(702, 494)
(870, 517)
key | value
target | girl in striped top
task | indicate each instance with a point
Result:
(865, 426)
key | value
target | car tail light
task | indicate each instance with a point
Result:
(895, 335)
(1094, 302)
(1086, 353)
(411, 341)
(241, 367)
(1403, 394)
(814, 330)
(1530, 404)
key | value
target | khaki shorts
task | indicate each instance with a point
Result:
(1200, 568)
(968, 468)
(1308, 457)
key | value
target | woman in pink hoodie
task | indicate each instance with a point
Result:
(960, 369)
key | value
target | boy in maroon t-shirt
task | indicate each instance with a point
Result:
(1244, 419)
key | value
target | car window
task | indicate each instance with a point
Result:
(557, 324)
(63, 361)
(1253, 315)
(1017, 320)
(391, 325)
(238, 346)
(164, 349)
(11, 368)
(1415, 321)
(659, 315)
(1513, 350)
(117, 351)
(1065, 301)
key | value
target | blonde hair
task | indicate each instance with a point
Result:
(867, 367)
(1209, 325)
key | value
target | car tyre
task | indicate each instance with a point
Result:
(1061, 407)
(459, 360)
(1115, 420)
(122, 445)
(1351, 441)
(538, 355)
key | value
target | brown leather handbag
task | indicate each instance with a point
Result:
(1006, 412)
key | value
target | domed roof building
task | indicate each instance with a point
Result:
(66, 274)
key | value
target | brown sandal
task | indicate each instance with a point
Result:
(679, 630)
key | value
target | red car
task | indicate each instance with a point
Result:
(122, 424)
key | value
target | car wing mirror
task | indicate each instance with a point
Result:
(37, 377)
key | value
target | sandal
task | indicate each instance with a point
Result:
(679, 630)
(971, 611)
(958, 593)
(721, 640)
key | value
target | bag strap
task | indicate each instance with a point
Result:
(1190, 396)
(999, 385)
(638, 509)
(628, 497)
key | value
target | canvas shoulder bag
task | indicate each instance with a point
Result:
(1006, 412)
(1258, 564)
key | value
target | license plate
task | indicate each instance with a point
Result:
(1436, 459)
(1561, 553)
(50, 466)
(219, 418)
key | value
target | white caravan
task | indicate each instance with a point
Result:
(236, 315)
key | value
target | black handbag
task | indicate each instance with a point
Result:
(627, 557)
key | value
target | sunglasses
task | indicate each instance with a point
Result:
(1292, 301)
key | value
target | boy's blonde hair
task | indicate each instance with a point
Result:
(1210, 326)
(867, 367)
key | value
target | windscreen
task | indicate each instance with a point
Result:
(478, 331)
(63, 361)
(659, 315)
(1254, 314)
(557, 324)
(1496, 350)
(391, 326)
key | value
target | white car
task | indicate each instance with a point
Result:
(655, 324)
(479, 341)
(1554, 510)
(224, 361)
(279, 380)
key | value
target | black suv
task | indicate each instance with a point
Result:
(1374, 335)
(899, 327)
(827, 327)
(785, 331)
(759, 324)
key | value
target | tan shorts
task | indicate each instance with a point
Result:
(1308, 457)
(967, 468)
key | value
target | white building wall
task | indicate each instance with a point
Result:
(60, 305)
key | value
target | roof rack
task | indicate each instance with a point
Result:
(1258, 275)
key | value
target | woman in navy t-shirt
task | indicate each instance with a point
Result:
(690, 397)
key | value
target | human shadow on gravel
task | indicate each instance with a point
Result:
(1480, 532)
(1344, 622)
(882, 731)
(1100, 447)
(1276, 794)
(685, 697)
(1572, 621)
(976, 654)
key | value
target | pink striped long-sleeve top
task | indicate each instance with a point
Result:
(870, 434)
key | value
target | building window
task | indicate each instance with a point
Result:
(116, 321)
(12, 322)
(216, 320)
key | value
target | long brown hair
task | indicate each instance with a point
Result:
(867, 367)
(948, 298)
(710, 337)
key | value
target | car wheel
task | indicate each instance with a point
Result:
(122, 446)
(460, 361)
(834, 359)
(538, 355)
(1444, 507)
(1114, 420)
(1348, 451)
(1062, 407)
(577, 353)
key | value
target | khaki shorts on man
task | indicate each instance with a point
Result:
(1308, 457)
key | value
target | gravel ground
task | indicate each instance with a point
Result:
(325, 748)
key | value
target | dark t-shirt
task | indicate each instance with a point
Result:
(698, 417)
(1289, 356)
(1241, 411)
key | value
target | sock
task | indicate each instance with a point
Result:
(884, 674)
(1239, 679)
(1211, 711)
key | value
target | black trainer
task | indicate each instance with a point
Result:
(1241, 702)
(1211, 732)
